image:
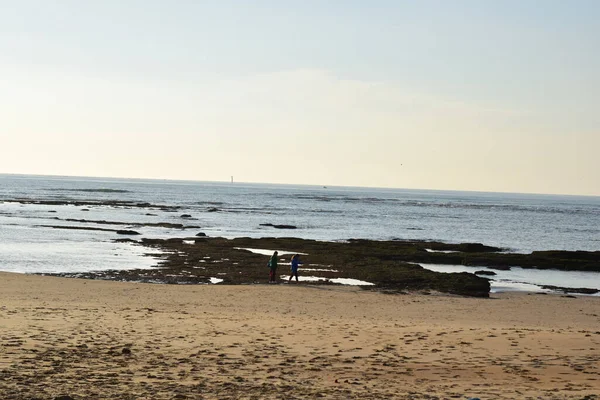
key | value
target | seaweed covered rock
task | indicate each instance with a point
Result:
(127, 232)
(405, 276)
(280, 226)
(476, 248)
(385, 264)
(571, 290)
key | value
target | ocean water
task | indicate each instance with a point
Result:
(517, 222)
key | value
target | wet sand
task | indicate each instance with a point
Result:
(90, 339)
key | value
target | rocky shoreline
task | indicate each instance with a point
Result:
(388, 265)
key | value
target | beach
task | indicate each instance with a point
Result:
(77, 338)
(300, 200)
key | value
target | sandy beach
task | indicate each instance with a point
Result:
(83, 339)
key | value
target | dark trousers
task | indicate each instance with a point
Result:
(294, 273)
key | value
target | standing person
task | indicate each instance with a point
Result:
(294, 266)
(273, 268)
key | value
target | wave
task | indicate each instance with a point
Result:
(210, 203)
(99, 190)
(533, 208)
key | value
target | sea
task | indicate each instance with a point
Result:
(515, 222)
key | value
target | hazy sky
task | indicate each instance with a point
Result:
(470, 95)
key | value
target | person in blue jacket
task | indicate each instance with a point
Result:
(294, 267)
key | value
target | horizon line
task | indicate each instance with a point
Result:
(302, 184)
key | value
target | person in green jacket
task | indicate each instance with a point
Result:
(273, 268)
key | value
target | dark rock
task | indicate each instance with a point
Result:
(154, 224)
(490, 273)
(85, 209)
(126, 350)
(64, 397)
(362, 259)
(79, 203)
(127, 232)
(82, 228)
(476, 248)
(414, 251)
(212, 209)
(560, 260)
(186, 216)
(571, 290)
(166, 225)
(124, 240)
(151, 215)
(383, 263)
(280, 226)
(569, 255)
(201, 234)
(461, 247)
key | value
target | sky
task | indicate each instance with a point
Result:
(478, 95)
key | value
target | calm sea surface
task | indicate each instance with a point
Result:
(517, 222)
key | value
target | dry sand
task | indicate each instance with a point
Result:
(100, 340)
